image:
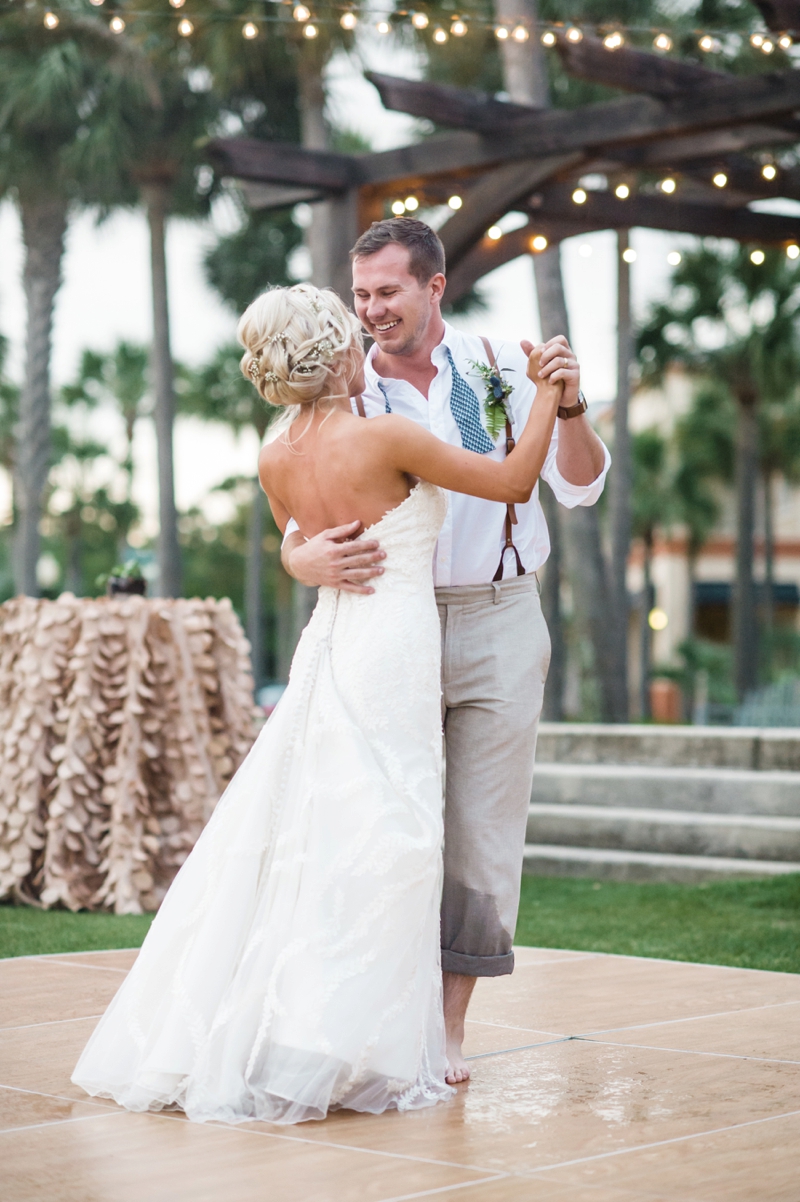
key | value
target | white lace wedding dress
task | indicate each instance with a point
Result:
(294, 964)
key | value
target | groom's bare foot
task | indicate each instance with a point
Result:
(457, 992)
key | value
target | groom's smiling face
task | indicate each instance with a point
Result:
(393, 306)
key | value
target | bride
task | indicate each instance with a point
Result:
(293, 967)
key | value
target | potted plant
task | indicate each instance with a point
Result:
(124, 578)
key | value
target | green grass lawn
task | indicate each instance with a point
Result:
(751, 924)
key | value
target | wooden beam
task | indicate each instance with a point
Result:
(632, 70)
(282, 163)
(460, 108)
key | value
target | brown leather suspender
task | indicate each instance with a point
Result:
(511, 513)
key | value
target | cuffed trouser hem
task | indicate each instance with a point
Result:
(477, 966)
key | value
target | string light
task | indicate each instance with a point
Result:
(520, 34)
(574, 35)
(249, 30)
(50, 21)
(769, 171)
(629, 255)
(709, 45)
(494, 232)
(116, 25)
(96, 3)
(613, 41)
(398, 208)
(420, 20)
(662, 41)
(674, 258)
(185, 28)
(310, 31)
(177, 3)
(756, 39)
(657, 619)
(501, 33)
(719, 180)
(300, 12)
(383, 27)
(348, 20)
(411, 204)
(458, 28)
(767, 46)
(548, 37)
(793, 251)
(622, 191)
(668, 185)
(455, 202)
(440, 35)
(538, 243)
(579, 196)
(757, 257)
(785, 41)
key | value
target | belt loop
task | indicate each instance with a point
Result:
(496, 587)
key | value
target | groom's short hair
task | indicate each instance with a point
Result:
(425, 250)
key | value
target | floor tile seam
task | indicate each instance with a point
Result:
(544, 1043)
(51, 1022)
(78, 1118)
(771, 972)
(660, 1143)
(687, 1018)
(58, 1097)
(646, 1047)
(510, 1027)
(442, 1189)
(95, 951)
(247, 1129)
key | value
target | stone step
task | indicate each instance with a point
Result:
(668, 832)
(754, 748)
(713, 790)
(543, 859)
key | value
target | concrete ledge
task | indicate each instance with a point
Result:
(606, 864)
(745, 747)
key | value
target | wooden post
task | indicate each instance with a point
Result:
(621, 477)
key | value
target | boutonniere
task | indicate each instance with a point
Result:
(498, 390)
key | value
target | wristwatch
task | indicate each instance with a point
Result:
(580, 406)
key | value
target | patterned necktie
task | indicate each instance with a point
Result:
(466, 410)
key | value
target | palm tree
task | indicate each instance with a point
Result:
(735, 320)
(51, 86)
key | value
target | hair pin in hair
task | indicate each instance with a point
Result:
(282, 337)
(271, 377)
(254, 368)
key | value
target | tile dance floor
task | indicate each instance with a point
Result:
(596, 1079)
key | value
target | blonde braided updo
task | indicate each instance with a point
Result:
(301, 345)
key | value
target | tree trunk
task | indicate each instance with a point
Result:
(645, 638)
(745, 628)
(253, 585)
(621, 477)
(156, 198)
(769, 569)
(44, 224)
(553, 710)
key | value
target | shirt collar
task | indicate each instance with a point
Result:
(449, 342)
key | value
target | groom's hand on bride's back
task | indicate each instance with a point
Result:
(333, 559)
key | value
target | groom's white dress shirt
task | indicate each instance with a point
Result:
(473, 533)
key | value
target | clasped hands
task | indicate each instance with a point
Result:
(339, 559)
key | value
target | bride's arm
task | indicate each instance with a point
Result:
(414, 450)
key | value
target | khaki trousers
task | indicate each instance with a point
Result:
(495, 656)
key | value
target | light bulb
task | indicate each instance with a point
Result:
(96, 3)
(793, 251)
(719, 180)
(411, 203)
(668, 186)
(548, 38)
(455, 202)
(420, 20)
(657, 619)
(501, 33)
(539, 243)
(494, 232)
(310, 31)
(629, 255)
(574, 34)
(757, 257)
(185, 28)
(662, 41)
(348, 20)
(177, 3)
(708, 44)
(383, 27)
(579, 196)
(50, 21)
(767, 46)
(613, 41)
(116, 25)
(249, 30)
(300, 12)
(769, 171)
(674, 258)
(458, 28)
(440, 35)
(398, 208)
(785, 41)
(622, 191)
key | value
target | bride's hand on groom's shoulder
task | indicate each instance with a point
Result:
(332, 559)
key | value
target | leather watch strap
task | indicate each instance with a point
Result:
(573, 410)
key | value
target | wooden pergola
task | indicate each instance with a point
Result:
(684, 120)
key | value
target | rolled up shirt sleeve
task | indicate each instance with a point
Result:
(292, 527)
(571, 495)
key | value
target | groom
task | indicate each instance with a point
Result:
(495, 645)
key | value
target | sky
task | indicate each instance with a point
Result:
(105, 297)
